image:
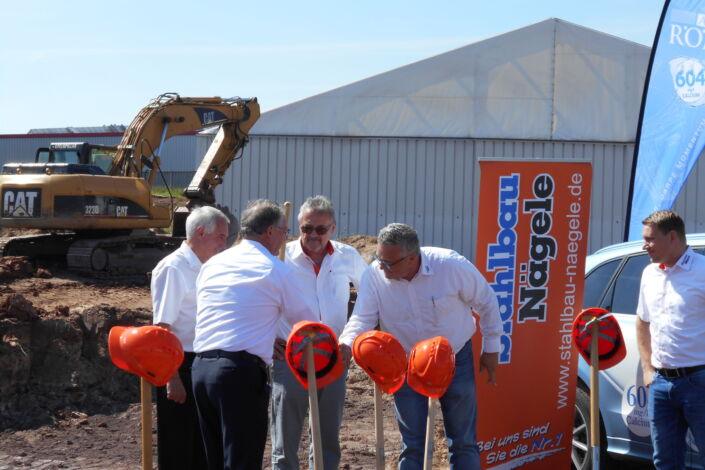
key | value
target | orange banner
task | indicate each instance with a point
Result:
(531, 247)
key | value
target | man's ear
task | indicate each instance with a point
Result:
(268, 231)
(673, 236)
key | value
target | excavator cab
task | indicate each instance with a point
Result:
(67, 158)
(82, 153)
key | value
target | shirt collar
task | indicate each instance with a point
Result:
(686, 260)
(425, 269)
(299, 251)
(259, 247)
(190, 256)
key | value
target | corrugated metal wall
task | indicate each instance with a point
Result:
(431, 184)
(179, 157)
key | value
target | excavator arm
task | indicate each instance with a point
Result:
(169, 115)
(226, 145)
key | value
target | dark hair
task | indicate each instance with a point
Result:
(259, 216)
(665, 221)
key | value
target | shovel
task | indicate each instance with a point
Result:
(311, 373)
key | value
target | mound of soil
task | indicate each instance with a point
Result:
(365, 244)
(52, 360)
(14, 267)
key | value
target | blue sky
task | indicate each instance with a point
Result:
(85, 63)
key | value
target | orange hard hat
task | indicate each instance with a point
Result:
(383, 358)
(151, 352)
(610, 343)
(327, 359)
(431, 367)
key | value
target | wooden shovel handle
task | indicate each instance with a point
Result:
(430, 421)
(313, 415)
(287, 214)
(146, 402)
(379, 428)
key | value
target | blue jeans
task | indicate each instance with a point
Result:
(459, 409)
(674, 406)
(289, 408)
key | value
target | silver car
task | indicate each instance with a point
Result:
(612, 277)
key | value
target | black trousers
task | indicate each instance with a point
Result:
(179, 441)
(232, 396)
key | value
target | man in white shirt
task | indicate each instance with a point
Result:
(173, 291)
(415, 294)
(324, 270)
(242, 294)
(670, 331)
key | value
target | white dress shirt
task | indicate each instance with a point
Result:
(242, 293)
(672, 300)
(328, 291)
(436, 302)
(174, 293)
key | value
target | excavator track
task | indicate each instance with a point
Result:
(116, 257)
(119, 257)
(46, 245)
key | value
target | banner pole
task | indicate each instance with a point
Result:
(640, 122)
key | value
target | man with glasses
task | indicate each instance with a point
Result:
(241, 295)
(417, 293)
(324, 270)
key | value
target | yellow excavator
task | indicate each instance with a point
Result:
(94, 203)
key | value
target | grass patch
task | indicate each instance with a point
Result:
(161, 191)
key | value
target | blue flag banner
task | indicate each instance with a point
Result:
(671, 133)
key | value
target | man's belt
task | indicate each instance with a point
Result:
(235, 356)
(679, 371)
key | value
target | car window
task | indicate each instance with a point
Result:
(700, 250)
(625, 294)
(596, 282)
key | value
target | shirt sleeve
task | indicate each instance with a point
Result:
(476, 292)
(294, 306)
(365, 315)
(168, 290)
(642, 310)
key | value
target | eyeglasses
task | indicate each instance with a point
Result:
(386, 264)
(283, 229)
(320, 229)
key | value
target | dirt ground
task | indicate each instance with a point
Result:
(64, 405)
